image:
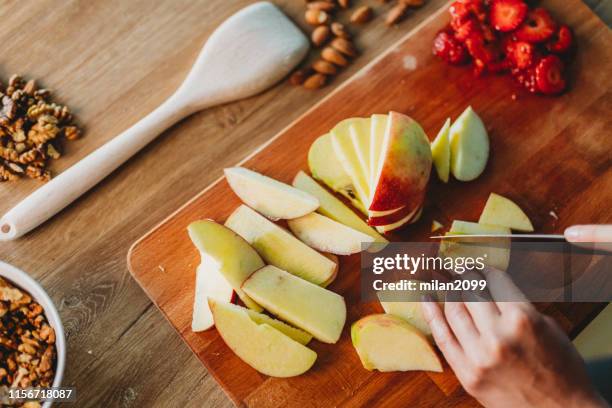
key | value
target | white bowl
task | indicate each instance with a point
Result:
(23, 281)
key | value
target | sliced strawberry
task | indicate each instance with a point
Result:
(506, 15)
(521, 54)
(549, 75)
(527, 78)
(463, 29)
(459, 11)
(538, 26)
(479, 49)
(562, 41)
(449, 48)
(477, 8)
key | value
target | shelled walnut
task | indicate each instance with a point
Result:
(32, 128)
(27, 341)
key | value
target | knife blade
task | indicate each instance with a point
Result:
(520, 236)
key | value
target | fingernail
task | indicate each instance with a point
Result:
(572, 233)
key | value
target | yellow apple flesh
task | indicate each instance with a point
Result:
(268, 196)
(378, 125)
(327, 235)
(312, 308)
(260, 345)
(359, 131)
(333, 208)
(504, 213)
(387, 343)
(234, 258)
(279, 247)
(210, 283)
(440, 151)
(469, 144)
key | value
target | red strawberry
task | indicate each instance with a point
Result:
(482, 50)
(537, 27)
(449, 48)
(549, 75)
(459, 11)
(506, 15)
(521, 54)
(561, 41)
(527, 78)
(463, 29)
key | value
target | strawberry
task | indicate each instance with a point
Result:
(449, 48)
(549, 75)
(527, 78)
(459, 11)
(521, 54)
(537, 27)
(463, 29)
(562, 41)
(506, 15)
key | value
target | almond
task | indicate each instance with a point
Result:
(344, 4)
(396, 13)
(324, 67)
(321, 5)
(339, 31)
(331, 55)
(315, 81)
(316, 17)
(344, 46)
(362, 15)
(298, 77)
(320, 35)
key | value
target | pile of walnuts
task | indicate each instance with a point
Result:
(27, 341)
(31, 130)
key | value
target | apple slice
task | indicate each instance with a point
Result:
(278, 247)
(409, 219)
(319, 311)
(469, 144)
(404, 167)
(387, 343)
(223, 249)
(261, 346)
(327, 235)
(360, 136)
(392, 218)
(504, 213)
(270, 197)
(210, 283)
(343, 147)
(296, 334)
(325, 167)
(333, 208)
(440, 151)
(495, 251)
(378, 125)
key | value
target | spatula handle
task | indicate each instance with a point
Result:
(62, 190)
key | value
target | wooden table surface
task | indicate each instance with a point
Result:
(113, 61)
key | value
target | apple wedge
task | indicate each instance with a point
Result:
(327, 235)
(388, 343)
(270, 197)
(440, 152)
(505, 213)
(278, 247)
(325, 167)
(469, 144)
(333, 208)
(319, 311)
(260, 345)
(404, 168)
(222, 249)
(495, 251)
(360, 136)
(210, 283)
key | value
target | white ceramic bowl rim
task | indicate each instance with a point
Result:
(23, 281)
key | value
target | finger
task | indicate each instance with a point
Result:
(442, 334)
(482, 308)
(506, 294)
(460, 321)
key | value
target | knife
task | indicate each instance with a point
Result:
(519, 236)
(578, 233)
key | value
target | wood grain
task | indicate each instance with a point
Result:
(556, 147)
(113, 61)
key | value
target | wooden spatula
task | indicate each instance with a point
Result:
(248, 53)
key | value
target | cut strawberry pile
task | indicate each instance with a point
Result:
(507, 36)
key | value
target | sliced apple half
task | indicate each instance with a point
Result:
(503, 212)
(404, 167)
(388, 343)
(346, 154)
(270, 197)
(210, 283)
(469, 144)
(279, 247)
(325, 167)
(495, 251)
(441, 153)
(324, 234)
(296, 334)
(319, 311)
(260, 345)
(222, 249)
(333, 208)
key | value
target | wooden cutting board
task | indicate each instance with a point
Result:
(550, 155)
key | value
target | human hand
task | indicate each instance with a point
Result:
(507, 354)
